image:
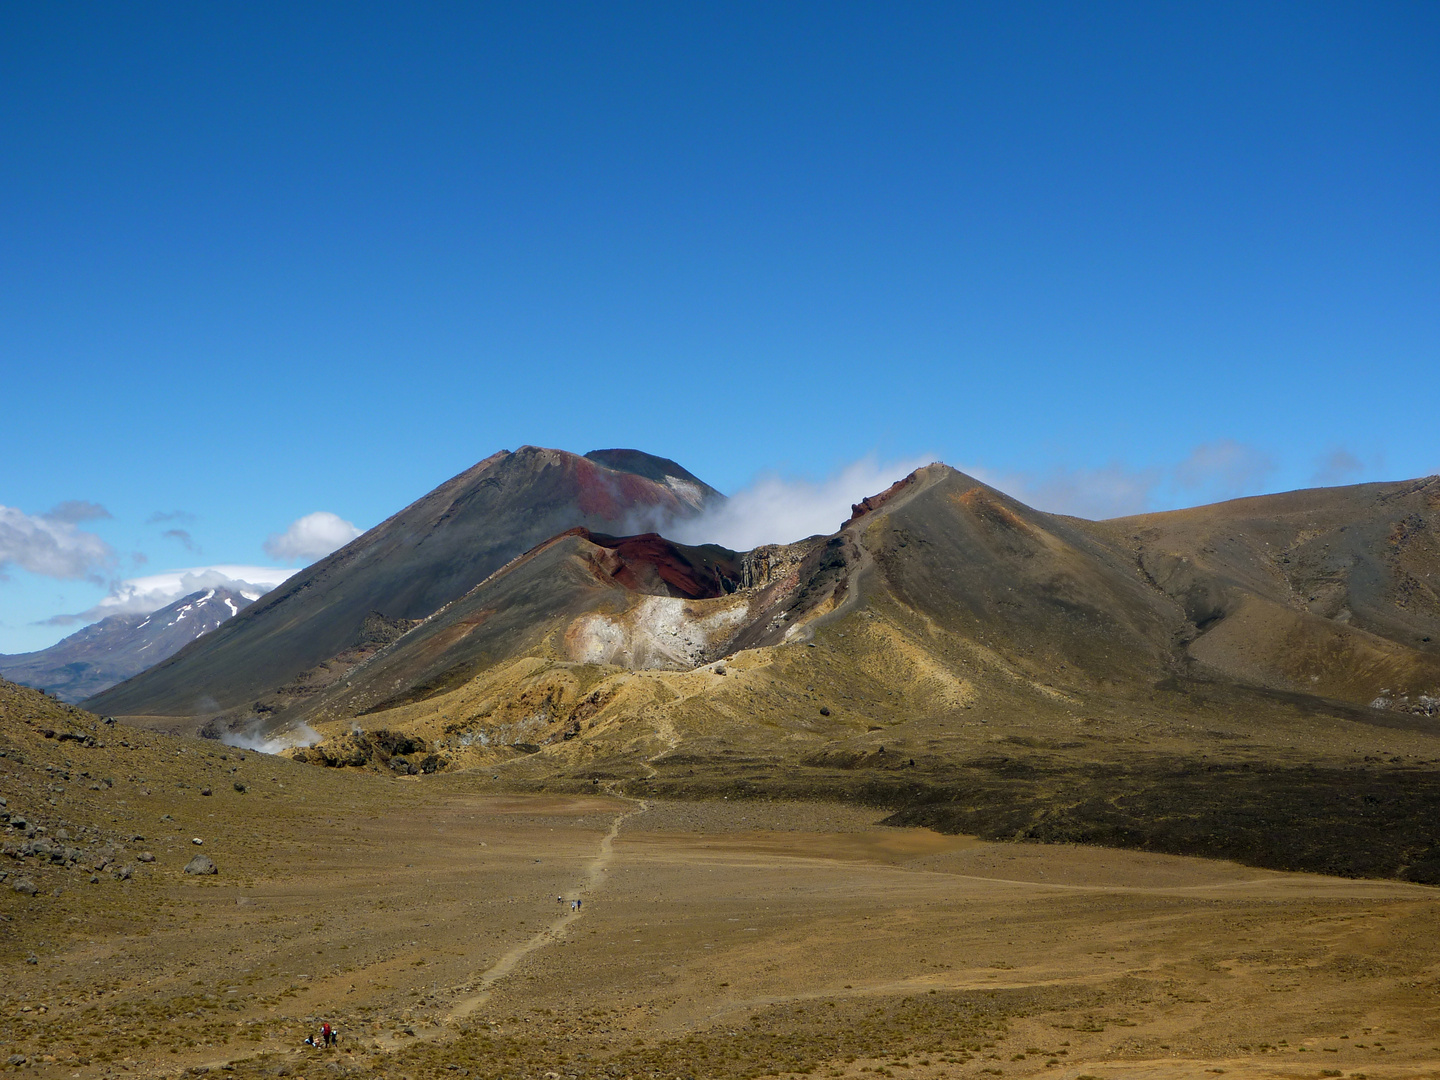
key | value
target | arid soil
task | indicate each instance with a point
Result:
(721, 938)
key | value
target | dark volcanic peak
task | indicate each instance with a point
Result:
(686, 485)
(120, 646)
(411, 565)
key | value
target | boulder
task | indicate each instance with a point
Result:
(201, 864)
(26, 886)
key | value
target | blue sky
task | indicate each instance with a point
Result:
(261, 261)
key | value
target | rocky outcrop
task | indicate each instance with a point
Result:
(392, 751)
(201, 864)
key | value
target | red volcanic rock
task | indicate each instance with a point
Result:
(649, 563)
(874, 502)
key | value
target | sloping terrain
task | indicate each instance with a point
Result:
(120, 646)
(969, 662)
(1333, 591)
(406, 568)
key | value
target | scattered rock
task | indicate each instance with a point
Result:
(205, 791)
(240, 787)
(16, 1060)
(145, 856)
(32, 959)
(201, 864)
(26, 886)
(824, 710)
(196, 840)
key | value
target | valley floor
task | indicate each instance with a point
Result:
(714, 939)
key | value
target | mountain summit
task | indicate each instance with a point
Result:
(407, 568)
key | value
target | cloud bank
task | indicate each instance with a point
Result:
(311, 537)
(51, 545)
(142, 595)
(1111, 491)
(1211, 472)
(777, 510)
(1224, 470)
(1339, 466)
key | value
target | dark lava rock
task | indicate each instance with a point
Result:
(201, 864)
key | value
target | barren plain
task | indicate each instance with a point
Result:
(430, 919)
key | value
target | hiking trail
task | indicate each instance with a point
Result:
(508, 961)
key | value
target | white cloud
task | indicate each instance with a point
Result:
(775, 510)
(50, 544)
(142, 595)
(311, 537)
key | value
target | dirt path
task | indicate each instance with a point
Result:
(465, 1006)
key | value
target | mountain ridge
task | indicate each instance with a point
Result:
(116, 648)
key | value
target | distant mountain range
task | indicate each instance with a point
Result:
(120, 646)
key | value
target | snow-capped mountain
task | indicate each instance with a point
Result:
(115, 648)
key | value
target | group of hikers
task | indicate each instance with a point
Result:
(574, 904)
(327, 1037)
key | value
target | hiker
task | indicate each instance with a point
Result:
(310, 1040)
(325, 1033)
(574, 905)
